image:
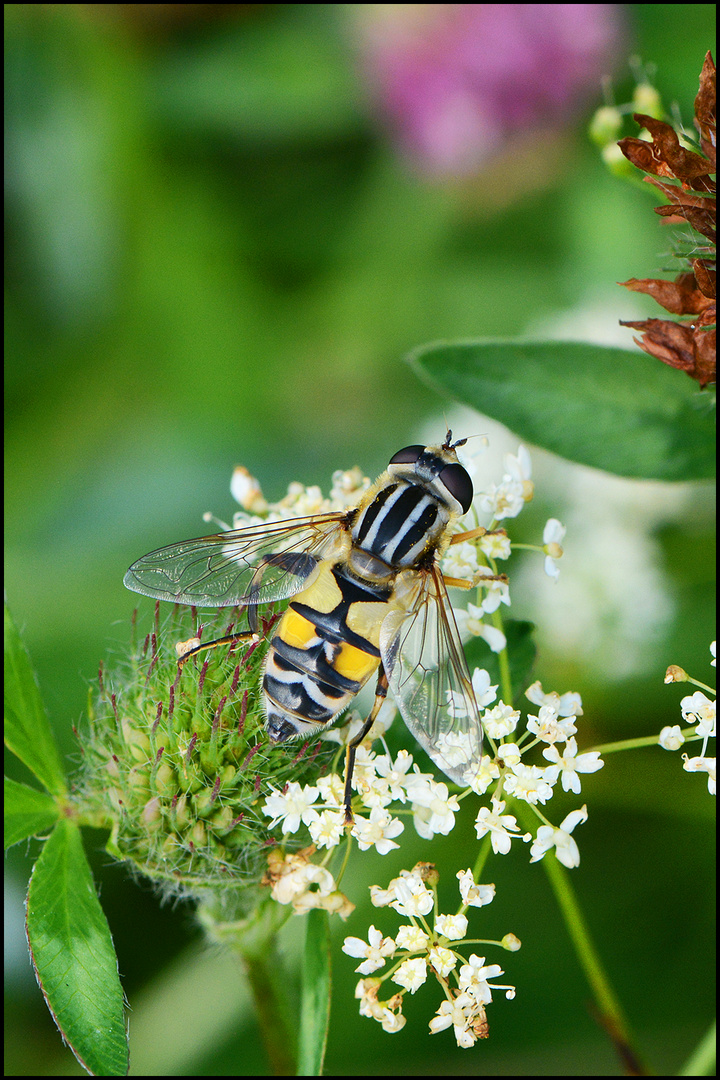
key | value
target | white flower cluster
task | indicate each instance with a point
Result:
(300, 501)
(380, 780)
(697, 709)
(475, 561)
(425, 947)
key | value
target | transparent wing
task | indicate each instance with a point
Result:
(424, 660)
(264, 562)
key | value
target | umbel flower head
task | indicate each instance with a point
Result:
(686, 179)
(177, 763)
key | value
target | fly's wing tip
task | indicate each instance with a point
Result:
(133, 583)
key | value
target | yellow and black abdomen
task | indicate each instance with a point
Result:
(324, 650)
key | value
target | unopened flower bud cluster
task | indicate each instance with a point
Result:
(175, 761)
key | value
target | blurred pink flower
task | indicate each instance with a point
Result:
(455, 81)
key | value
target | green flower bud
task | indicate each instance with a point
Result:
(178, 762)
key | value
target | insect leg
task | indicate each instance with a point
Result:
(471, 534)
(380, 695)
(229, 639)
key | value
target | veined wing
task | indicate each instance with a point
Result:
(428, 674)
(265, 562)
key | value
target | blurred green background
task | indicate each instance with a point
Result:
(215, 254)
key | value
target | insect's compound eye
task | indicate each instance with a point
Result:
(408, 455)
(457, 480)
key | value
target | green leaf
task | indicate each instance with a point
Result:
(73, 955)
(315, 1001)
(521, 650)
(27, 812)
(27, 728)
(620, 411)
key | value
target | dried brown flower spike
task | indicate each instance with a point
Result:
(687, 182)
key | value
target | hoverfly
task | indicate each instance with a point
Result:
(367, 597)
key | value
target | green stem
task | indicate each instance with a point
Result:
(609, 1010)
(254, 941)
(503, 663)
(271, 1005)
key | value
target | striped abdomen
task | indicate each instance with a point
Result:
(324, 650)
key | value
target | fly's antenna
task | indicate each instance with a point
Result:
(449, 444)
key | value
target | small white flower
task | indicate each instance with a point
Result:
(327, 829)
(495, 545)
(503, 828)
(553, 535)
(440, 807)
(453, 927)
(460, 561)
(364, 770)
(474, 895)
(374, 950)
(565, 847)
(375, 792)
(509, 754)
(462, 1013)
(519, 466)
(395, 773)
(701, 709)
(530, 783)
(485, 693)
(296, 804)
(471, 624)
(702, 764)
(332, 789)
(411, 974)
(500, 721)
(504, 500)
(496, 592)
(297, 878)
(453, 749)
(568, 704)
(378, 830)
(548, 726)
(671, 738)
(381, 897)
(419, 786)
(443, 960)
(712, 650)
(481, 776)
(391, 1019)
(412, 897)
(473, 978)
(245, 489)
(570, 763)
(411, 938)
